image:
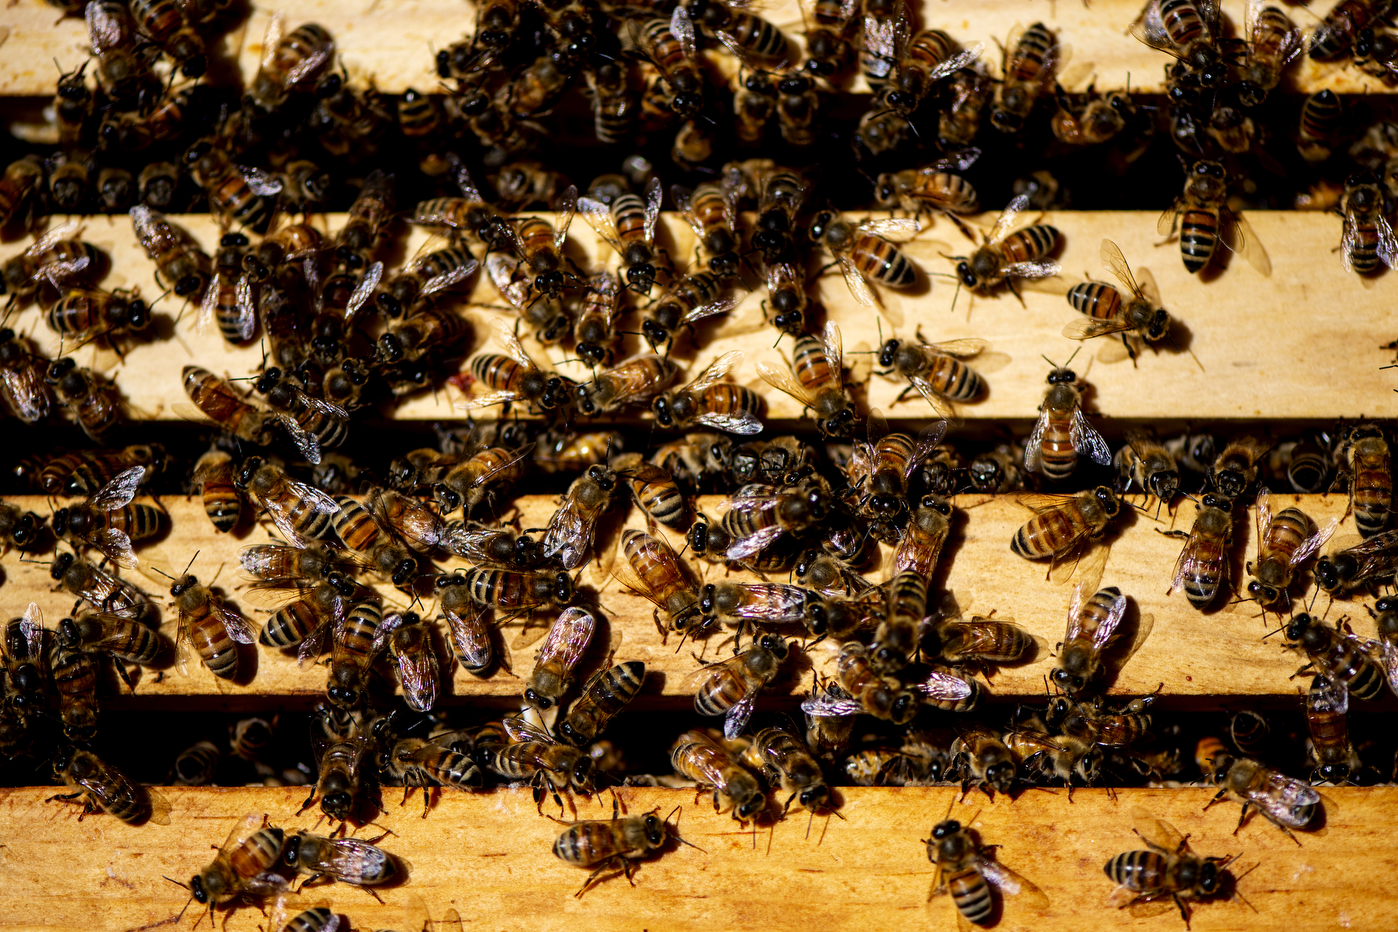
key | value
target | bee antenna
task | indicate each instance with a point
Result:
(1273, 631)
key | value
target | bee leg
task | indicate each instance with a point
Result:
(370, 891)
(407, 791)
(1184, 913)
(126, 675)
(1182, 535)
(309, 800)
(426, 801)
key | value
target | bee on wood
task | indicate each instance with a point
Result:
(373, 542)
(627, 225)
(818, 381)
(966, 872)
(607, 844)
(1270, 42)
(730, 687)
(108, 521)
(1286, 803)
(1284, 542)
(1188, 30)
(687, 301)
(1063, 523)
(101, 786)
(417, 762)
(1203, 220)
(655, 491)
(347, 860)
(1062, 431)
(570, 531)
(863, 689)
(700, 758)
(1005, 256)
(978, 640)
(178, 265)
(603, 696)
(1341, 26)
(668, 44)
(309, 616)
(1137, 316)
(123, 70)
(56, 258)
(534, 755)
(103, 591)
(26, 660)
(208, 628)
(1167, 868)
(1094, 631)
(21, 530)
(1330, 748)
(75, 674)
(1202, 567)
(1031, 59)
(936, 371)
(244, 865)
(711, 401)
(22, 382)
(300, 512)
(414, 658)
(1234, 471)
(1145, 462)
(652, 569)
(348, 773)
(759, 515)
(122, 636)
(559, 655)
(1365, 454)
(934, 188)
(637, 380)
(83, 315)
(1365, 564)
(287, 61)
(1346, 659)
(786, 762)
(595, 337)
(865, 253)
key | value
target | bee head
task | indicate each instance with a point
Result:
(661, 405)
(822, 220)
(292, 851)
(563, 588)
(944, 829)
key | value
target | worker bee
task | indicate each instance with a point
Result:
(686, 302)
(935, 370)
(1284, 542)
(1063, 522)
(237, 194)
(984, 759)
(965, 870)
(918, 63)
(1203, 220)
(1145, 462)
(20, 530)
(417, 762)
(178, 265)
(300, 512)
(1004, 256)
(977, 641)
(652, 569)
(535, 755)
(347, 860)
(158, 184)
(196, 765)
(827, 45)
(613, 101)
(108, 521)
(1365, 454)
(70, 179)
(758, 515)
(741, 605)
(515, 377)
(244, 865)
(571, 529)
(700, 758)
(213, 477)
(1062, 431)
(282, 565)
(120, 635)
(711, 210)
(865, 253)
(865, 690)
(1031, 58)
(1346, 659)
(288, 60)
(435, 268)
(931, 189)
(208, 628)
(1202, 567)
(668, 44)
(75, 674)
(594, 332)
(1137, 317)
(1330, 747)
(1167, 868)
(310, 615)
(348, 768)
(786, 762)
(920, 547)
(1234, 470)
(560, 653)
(606, 844)
(634, 381)
(1271, 41)
(82, 315)
(539, 245)
(515, 592)
(352, 648)
(628, 227)
(123, 71)
(22, 378)
(696, 459)
(56, 258)
(895, 643)
(1287, 803)
(96, 403)
(414, 659)
(470, 635)
(100, 785)
(1341, 27)
(25, 659)
(712, 402)
(1094, 629)
(1091, 119)
(469, 213)
(1365, 564)
(730, 687)
(104, 591)
(604, 695)
(227, 300)
(18, 185)
(1188, 30)
(377, 547)
(818, 382)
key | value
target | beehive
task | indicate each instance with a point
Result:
(1298, 348)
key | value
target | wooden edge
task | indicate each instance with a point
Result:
(1187, 654)
(379, 43)
(1249, 335)
(866, 870)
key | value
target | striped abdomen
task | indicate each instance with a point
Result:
(498, 372)
(1095, 299)
(812, 367)
(1030, 243)
(1371, 491)
(1182, 21)
(1347, 663)
(662, 499)
(1058, 457)
(257, 853)
(1199, 227)
(882, 261)
(1362, 245)
(629, 216)
(971, 894)
(1045, 535)
(586, 844)
(209, 638)
(1287, 532)
(930, 47)
(290, 625)
(754, 34)
(1208, 569)
(1141, 871)
(499, 588)
(953, 378)
(1027, 59)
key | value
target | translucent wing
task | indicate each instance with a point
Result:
(1389, 652)
(780, 377)
(1328, 696)
(944, 686)
(833, 345)
(54, 236)
(116, 546)
(1087, 441)
(26, 390)
(317, 642)
(855, 280)
(683, 28)
(1149, 27)
(1086, 328)
(160, 807)
(364, 290)
(569, 636)
(720, 306)
(1013, 884)
(238, 627)
(1388, 244)
(939, 404)
(745, 424)
(1156, 832)
(830, 707)
(105, 28)
(567, 205)
(744, 547)
(892, 227)
(520, 731)
(270, 40)
(31, 627)
(1169, 220)
(654, 195)
(569, 534)
(1285, 800)
(1115, 262)
(1041, 268)
(390, 624)
(1264, 516)
(120, 490)
(1149, 290)
(504, 272)
(599, 217)
(308, 65)
(1102, 637)
(305, 441)
(963, 59)
(736, 721)
(970, 346)
(1238, 235)
(1313, 543)
(1188, 563)
(1032, 452)
(1007, 218)
(716, 371)
(1075, 602)
(262, 183)
(303, 493)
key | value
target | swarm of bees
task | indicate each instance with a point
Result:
(384, 556)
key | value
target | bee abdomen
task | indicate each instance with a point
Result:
(1031, 243)
(1095, 299)
(1198, 238)
(210, 639)
(1136, 870)
(955, 379)
(972, 896)
(289, 625)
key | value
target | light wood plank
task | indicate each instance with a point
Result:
(1252, 335)
(867, 871)
(1193, 655)
(392, 41)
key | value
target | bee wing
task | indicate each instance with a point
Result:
(744, 547)
(310, 63)
(1041, 502)
(116, 546)
(566, 206)
(830, 707)
(238, 627)
(502, 269)
(880, 39)
(1238, 235)
(1075, 601)
(716, 371)
(654, 195)
(463, 179)
(305, 442)
(160, 807)
(390, 624)
(569, 636)
(1013, 884)
(1155, 831)
(1032, 445)
(939, 404)
(570, 534)
(1115, 262)
(971, 346)
(1327, 695)
(520, 731)
(315, 643)
(1280, 795)
(963, 59)
(1187, 563)
(855, 280)
(54, 236)
(781, 378)
(1149, 28)
(736, 721)
(318, 500)
(683, 28)
(31, 626)
(1106, 631)
(27, 392)
(599, 217)
(892, 227)
(720, 306)
(745, 424)
(1041, 268)
(1087, 441)
(120, 490)
(1388, 243)
(1007, 217)
(418, 675)
(328, 408)
(833, 345)
(944, 686)
(262, 183)
(1086, 328)
(184, 652)
(208, 304)
(105, 28)
(364, 290)
(1389, 653)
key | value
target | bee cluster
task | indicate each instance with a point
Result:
(854, 514)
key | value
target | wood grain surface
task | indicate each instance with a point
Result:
(1194, 655)
(488, 857)
(1258, 340)
(392, 42)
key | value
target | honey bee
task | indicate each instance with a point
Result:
(930, 55)
(652, 569)
(613, 101)
(1167, 868)
(595, 337)
(20, 530)
(1347, 660)
(1188, 30)
(243, 866)
(288, 60)
(22, 378)
(470, 213)
(352, 648)
(533, 754)
(108, 521)
(1063, 522)
(628, 227)
(730, 687)
(96, 403)
(782, 192)
(417, 762)
(759, 515)
(984, 759)
(515, 377)
(121, 72)
(655, 491)
(208, 628)
(607, 844)
(1094, 629)
(1203, 220)
(1138, 317)
(25, 658)
(604, 695)
(818, 382)
(570, 531)
(828, 46)
(283, 565)
(741, 605)
(935, 370)
(686, 302)
(178, 265)
(785, 761)
(1145, 462)
(436, 268)
(1365, 454)
(864, 252)
(300, 512)
(1062, 431)
(1284, 542)
(978, 641)
(120, 635)
(669, 46)
(1271, 41)
(237, 194)
(373, 541)
(100, 785)
(1031, 58)
(560, 653)
(696, 459)
(634, 381)
(196, 765)
(933, 189)
(539, 245)
(1331, 750)
(311, 614)
(226, 300)
(348, 769)
(1366, 563)
(711, 402)
(1234, 470)
(1202, 567)
(83, 315)
(18, 186)
(711, 210)
(71, 176)
(409, 645)
(1004, 256)
(1091, 119)
(1286, 803)
(865, 690)
(1341, 26)
(158, 183)
(346, 860)
(102, 590)
(700, 758)
(516, 592)
(895, 639)
(470, 636)
(56, 258)
(966, 872)
(75, 674)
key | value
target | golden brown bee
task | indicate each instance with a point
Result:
(409, 644)
(75, 675)
(700, 758)
(696, 459)
(1062, 431)
(1344, 658)
(711, 210)
(470, 213)
(539, 245)
(570, 530)
(828, 46)
(785, 761)
(594, 332)
(196, 765)
(687, 301)
(479, 477)
(864, 252)
(374, 543)
(108, 521)
(759, 515)
(627, 225)
(117, 634)
(921, 545)
(158, 183)
(1064, 522)
(863, 689)
(470, 636)
(1005, 256)
(288, 60)
(436, 268)
(637, 380)
(533, 754)
(121, 70)
(895, 643)
(283, 565)
(1031, 58)
(730, 687)
(616, 842)
(818, 381)
(237, 194)
(711, 401)
(1137, 317)
(96, 403)
(320, 424)
(310, 615)
(223, 503)
(99, 785)
(1330, 748)
(510, 592)
(935, 370)
(57, 258)
(22, 378)
(285, 244)
(25, 659)
(1167, 868)
(1287, 803)
(348, 768)
(514, 376)
(208, 628)
(669, 46)
(227, 300)
(216, 399)
(416, 762)
(1365, 563)
(353, 641)
(169, 26)
(347, 860)
(931, 189)
(798, 103)
(978, 641)
(1094, 628)
(104, 591)
(984, 759)
(1091, 119)
(1271, 41)
(742, 605)
(84, 472)
(560, 653)
(965, 870)
(604, 695)
(1186, 29)
(300, 512)
(1284, 542)
(20, 530)
(429, 329)
(18, 185)
(1234, 471)
(928, 57)
(1340, 28)
(566, 451)
(82, 315)
(1365, 454)
(1145, 462)
(525, 183)
(178, 265)
(243, 866)
(651, 568)
(654, 489)
(614, 102)
(1368, 238)
(1203, 219)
